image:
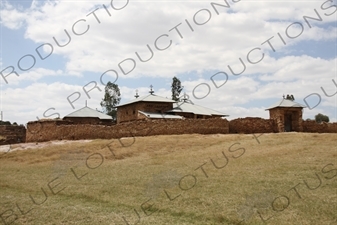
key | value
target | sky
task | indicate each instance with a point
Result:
(237, 57)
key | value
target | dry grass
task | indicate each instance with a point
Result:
(137, 175)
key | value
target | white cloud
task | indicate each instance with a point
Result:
(11, 17)
(25, 104)
(210, 47)
(35, 75)
(292, 68)
(222, 40)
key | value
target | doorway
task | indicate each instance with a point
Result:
(288, 122)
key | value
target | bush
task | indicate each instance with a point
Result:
(5, 122)
(319, 118)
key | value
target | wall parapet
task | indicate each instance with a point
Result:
(12, 134)
(39, 131)
(314, 127)
(250, 125)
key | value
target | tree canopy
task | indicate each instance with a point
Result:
(5, 122)
(111, 99)
(176, 88)
(319, 118)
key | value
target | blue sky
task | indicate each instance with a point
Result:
(220, 36)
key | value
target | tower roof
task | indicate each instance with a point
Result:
(286, 103)
(148, 98)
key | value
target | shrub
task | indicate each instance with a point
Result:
(319, 118)
(5, 122)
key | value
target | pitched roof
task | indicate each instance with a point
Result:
(148, 98)
(286, 103)
(159, 115)
(88, 112)
(187, 107)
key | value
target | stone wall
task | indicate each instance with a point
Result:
(250, 125)
(282, 114)
(11, 134)
(38, 131)
(313, 127)
(65, 130)
(127, 113)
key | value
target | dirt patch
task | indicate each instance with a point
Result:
(26, 146)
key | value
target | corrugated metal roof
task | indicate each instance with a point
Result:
(88, 112)
(286, 103)
(148, 98)
(159, 115)
(187, 107)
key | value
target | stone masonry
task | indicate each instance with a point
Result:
(287, 118)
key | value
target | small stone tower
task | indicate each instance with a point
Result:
(287, 114)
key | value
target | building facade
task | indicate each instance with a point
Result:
(151, 103)
(156, 107)
(287, 114)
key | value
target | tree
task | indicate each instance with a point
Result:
(5, 122)
(111, 99)
(319, 118)
(176, 88)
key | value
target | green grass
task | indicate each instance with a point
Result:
(137, 177)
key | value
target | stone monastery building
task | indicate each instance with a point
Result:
(286, 113)
(155, 107)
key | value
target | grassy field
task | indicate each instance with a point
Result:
(287, 178)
